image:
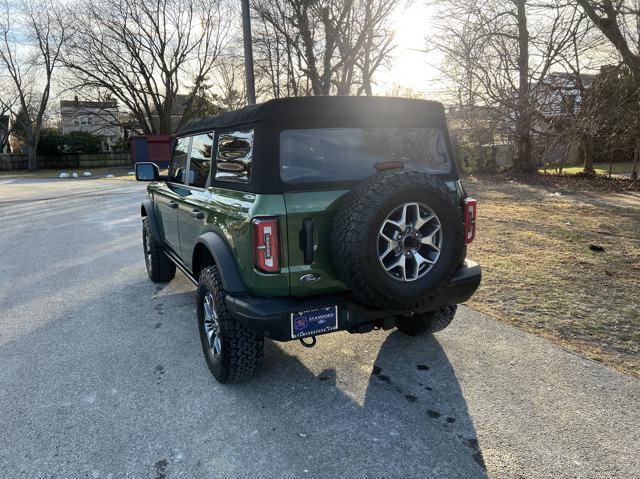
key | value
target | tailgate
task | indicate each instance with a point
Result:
(311, 212)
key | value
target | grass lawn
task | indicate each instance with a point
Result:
(601, 168)
(540, 274)
(119, 172)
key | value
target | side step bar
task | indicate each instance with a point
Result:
(180, 265)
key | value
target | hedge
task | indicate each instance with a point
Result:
(66, 162)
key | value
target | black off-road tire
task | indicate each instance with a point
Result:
(427, 323)
(241, 350)
(354, 238)
(159, 267)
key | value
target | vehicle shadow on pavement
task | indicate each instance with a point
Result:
(401, 415)
(122, 390)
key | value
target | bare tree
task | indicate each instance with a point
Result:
(32, 36)
(619, 22)
(322, 47)
(524, 161)
(145, 53)
(366, 42)
(610, 116)
(499, 59)
(275, 56)
(6, 107)
(229, 83)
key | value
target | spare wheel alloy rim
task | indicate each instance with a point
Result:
(409, 241)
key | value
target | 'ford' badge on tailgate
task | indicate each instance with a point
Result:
(309, 278)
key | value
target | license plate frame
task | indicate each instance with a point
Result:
(313, 322)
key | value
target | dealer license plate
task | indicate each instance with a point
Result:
(314, 321)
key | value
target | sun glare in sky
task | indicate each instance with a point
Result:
(413, 67)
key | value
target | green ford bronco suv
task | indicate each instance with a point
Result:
(304, 216)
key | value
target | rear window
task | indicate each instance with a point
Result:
(344, 154)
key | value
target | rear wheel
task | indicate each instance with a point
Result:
(233, 353)
(159, 267)
(426, 323)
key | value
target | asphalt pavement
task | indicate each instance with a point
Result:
(102, 376)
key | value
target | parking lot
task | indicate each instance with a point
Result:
(102, 376)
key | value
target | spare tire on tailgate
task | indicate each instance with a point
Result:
(397, 238)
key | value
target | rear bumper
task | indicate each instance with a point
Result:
(271, 317)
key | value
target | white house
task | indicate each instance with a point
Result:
(96, 117)
(561, 94)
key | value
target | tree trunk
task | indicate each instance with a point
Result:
(308, 46)
(366, 75)
(524, 161)
(164, 124)
(636, 160)
(610, 154)
(366, 67)
(587, 154)
(248, 53)
(32, 159)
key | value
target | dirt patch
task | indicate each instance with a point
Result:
(566, 266)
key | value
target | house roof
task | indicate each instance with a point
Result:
(101, 105)
(568, 80)
(322, 107)
(179, 104)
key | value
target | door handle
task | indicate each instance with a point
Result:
(199, 215)
(173, 205)
(306, 240)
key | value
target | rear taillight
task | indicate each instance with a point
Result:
(265, 244)
(470, 212)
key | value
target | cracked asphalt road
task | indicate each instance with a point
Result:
(102, 376)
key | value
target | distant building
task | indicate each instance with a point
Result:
(200, 107)
(561, 94)
(97, 117)
(559, 97)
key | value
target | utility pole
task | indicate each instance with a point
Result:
(248, 52)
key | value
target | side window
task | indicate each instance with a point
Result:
(233, 160)
(179, 160)
(200, 160)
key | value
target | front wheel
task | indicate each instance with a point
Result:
(233, 353)
(426, 323)
(159, 267)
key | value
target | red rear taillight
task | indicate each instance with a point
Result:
(265, 244)
(470, 212)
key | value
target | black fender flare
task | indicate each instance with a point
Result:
(147, 209)
(224, 260)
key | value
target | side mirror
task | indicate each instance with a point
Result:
(147, 172)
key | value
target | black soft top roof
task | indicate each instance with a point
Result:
(321, 107)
